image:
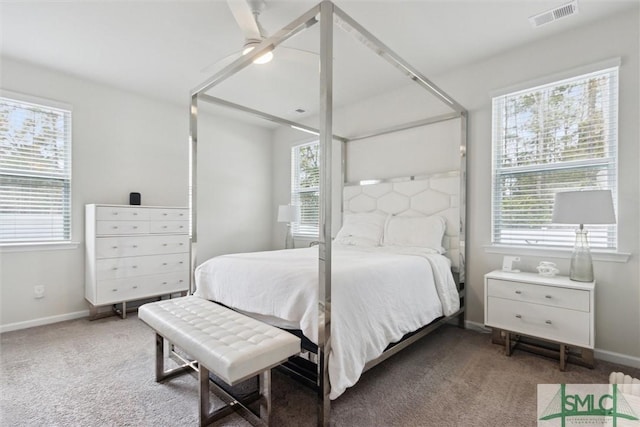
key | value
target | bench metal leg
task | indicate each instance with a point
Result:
(265, 396)
(161, 374)
(207, 416)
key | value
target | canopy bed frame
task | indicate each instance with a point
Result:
(325, 14)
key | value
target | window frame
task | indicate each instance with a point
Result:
(610, 161)
(21, 243)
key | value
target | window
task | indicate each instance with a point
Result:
(305, 179)
(35, 171)
(556, 137)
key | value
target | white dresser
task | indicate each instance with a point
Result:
(134, 252)
(554, 309)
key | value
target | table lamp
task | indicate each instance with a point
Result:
(288, 214)
(583, 207)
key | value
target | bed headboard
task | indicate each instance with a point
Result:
(414, 196)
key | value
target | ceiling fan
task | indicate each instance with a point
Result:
(247, 13)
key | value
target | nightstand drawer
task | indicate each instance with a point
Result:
(552, 323)
(574, 299)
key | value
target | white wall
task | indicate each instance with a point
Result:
(123, 142)
(234, 187)
(618, 284)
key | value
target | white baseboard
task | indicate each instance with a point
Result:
(621, 359)
(43, 321)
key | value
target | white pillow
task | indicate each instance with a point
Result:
(361, 229)
(415, 231)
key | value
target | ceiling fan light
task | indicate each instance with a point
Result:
(262, 59)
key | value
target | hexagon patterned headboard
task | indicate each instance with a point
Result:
(426, 195)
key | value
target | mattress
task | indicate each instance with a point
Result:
(379, 294)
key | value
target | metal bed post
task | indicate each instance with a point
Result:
(462, 244)
(324, 252)
(193, 184)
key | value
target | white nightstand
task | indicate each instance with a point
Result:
(552, 309)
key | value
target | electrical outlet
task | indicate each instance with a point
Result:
(38, 291)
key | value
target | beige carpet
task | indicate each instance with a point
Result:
(101, 373)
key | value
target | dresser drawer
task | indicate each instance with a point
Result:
(118, 290)
(120, 213)
(160, 214)
(574, 299)
(159, 227)
(553, 323)
(113, 247)
(106, 228)
(116, 268)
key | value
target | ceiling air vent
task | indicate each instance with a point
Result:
(554, 14)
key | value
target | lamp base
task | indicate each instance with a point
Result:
(581, 269)
(289, 243)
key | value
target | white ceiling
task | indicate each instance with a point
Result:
(160, 48)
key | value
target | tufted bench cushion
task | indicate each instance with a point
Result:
(231, 345)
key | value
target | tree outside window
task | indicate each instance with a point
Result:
(557, 137)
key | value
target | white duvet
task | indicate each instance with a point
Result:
(378, 295)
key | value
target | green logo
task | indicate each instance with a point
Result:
(592, 408)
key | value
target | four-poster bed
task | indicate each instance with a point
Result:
(325, 14)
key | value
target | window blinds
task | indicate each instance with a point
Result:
(35, 172)
(556, 137)
(305, 179)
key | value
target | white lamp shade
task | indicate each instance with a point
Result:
(584, 207)
(287, 213)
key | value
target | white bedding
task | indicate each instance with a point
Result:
(378, 295)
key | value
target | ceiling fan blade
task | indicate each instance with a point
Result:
(243, 14)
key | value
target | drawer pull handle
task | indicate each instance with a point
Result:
(518, 292)
(135, 213)
(114, 290)
(114, 268)
(182, 226)
(165, 214)
(135, 287)
(181, 214)
(181, 244)
(115, 227)
(181, 262)
(115, 213)
(114, 247)
(548, 296)
(135, 227)
(164, 283)
(164, 263)
(180, 281)
(164, 244)
(135, 246)
(135, 266)
(519, 316)
(548, 322)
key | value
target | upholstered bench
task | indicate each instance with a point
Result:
(228, 344)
